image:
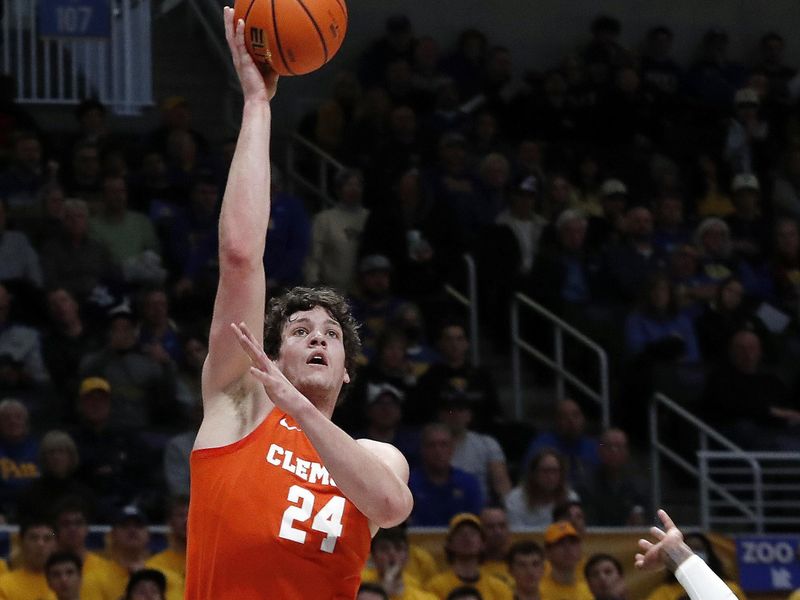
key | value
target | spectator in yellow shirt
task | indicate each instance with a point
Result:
(147, 584)
(605, 578)
(497, 540)
(526, 565)
(63, 574)
(174, 557)
(37, 543)
(389, 553)
(72, 529)
(464, 548)
(564, 551)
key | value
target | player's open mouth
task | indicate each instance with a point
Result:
(317, 359)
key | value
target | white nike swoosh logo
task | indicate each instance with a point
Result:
(289, 427)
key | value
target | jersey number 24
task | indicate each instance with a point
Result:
(327, 520)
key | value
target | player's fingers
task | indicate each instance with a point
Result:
(657, 533)
(239, 37)
(645, 545)
(665, 519)
(248, 344)
(227, 19)
(638, 560)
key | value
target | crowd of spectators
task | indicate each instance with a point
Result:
(653, 205)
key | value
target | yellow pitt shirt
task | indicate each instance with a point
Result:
(549, 589)
(22, 584)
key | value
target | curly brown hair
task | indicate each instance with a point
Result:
(298, 299)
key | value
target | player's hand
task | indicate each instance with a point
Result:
(668, 551)
(280, 391)
(256, 84)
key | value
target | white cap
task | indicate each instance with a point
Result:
(611, 187)
(746, 96)
(745, 181)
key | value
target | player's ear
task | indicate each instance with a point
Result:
(346, 378)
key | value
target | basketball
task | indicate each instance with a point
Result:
(294, 37)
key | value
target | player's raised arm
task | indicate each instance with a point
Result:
(670, 551)
(243, 224)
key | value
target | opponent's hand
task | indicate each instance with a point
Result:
(280, 391)
(256, 84)
(668, 551)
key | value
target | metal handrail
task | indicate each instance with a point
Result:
(117, 70)
(759, 489)
(706, 433)
(325, 162)
(471, 303)
(557, 363)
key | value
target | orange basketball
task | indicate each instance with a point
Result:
(295, 37)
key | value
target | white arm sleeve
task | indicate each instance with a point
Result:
(701, 582)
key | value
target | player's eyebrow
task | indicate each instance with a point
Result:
(305, 320)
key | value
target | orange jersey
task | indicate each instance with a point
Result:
(266, 521)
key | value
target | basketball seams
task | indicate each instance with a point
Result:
(318, 30)
(247, 12)
(278, 40)
(343, 7)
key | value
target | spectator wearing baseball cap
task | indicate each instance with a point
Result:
(107, 465)
(750, 232)
(374, 304)
(608, 227)
(384, 420)
(747, 133)
(464, 549)
(129, 553)
(564, 552)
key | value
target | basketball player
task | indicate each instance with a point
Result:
(671, 552)
(283, 502)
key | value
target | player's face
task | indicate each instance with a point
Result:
(527, 571)
(64, 579)
(312, 353)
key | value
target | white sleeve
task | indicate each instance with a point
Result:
(701, 582)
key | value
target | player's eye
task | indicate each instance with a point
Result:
(333, 333)
(301, 331)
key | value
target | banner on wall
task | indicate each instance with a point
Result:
(768, 563)
(74, 18)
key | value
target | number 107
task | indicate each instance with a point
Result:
(73, 19)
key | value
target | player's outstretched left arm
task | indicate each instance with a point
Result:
(372, 475)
